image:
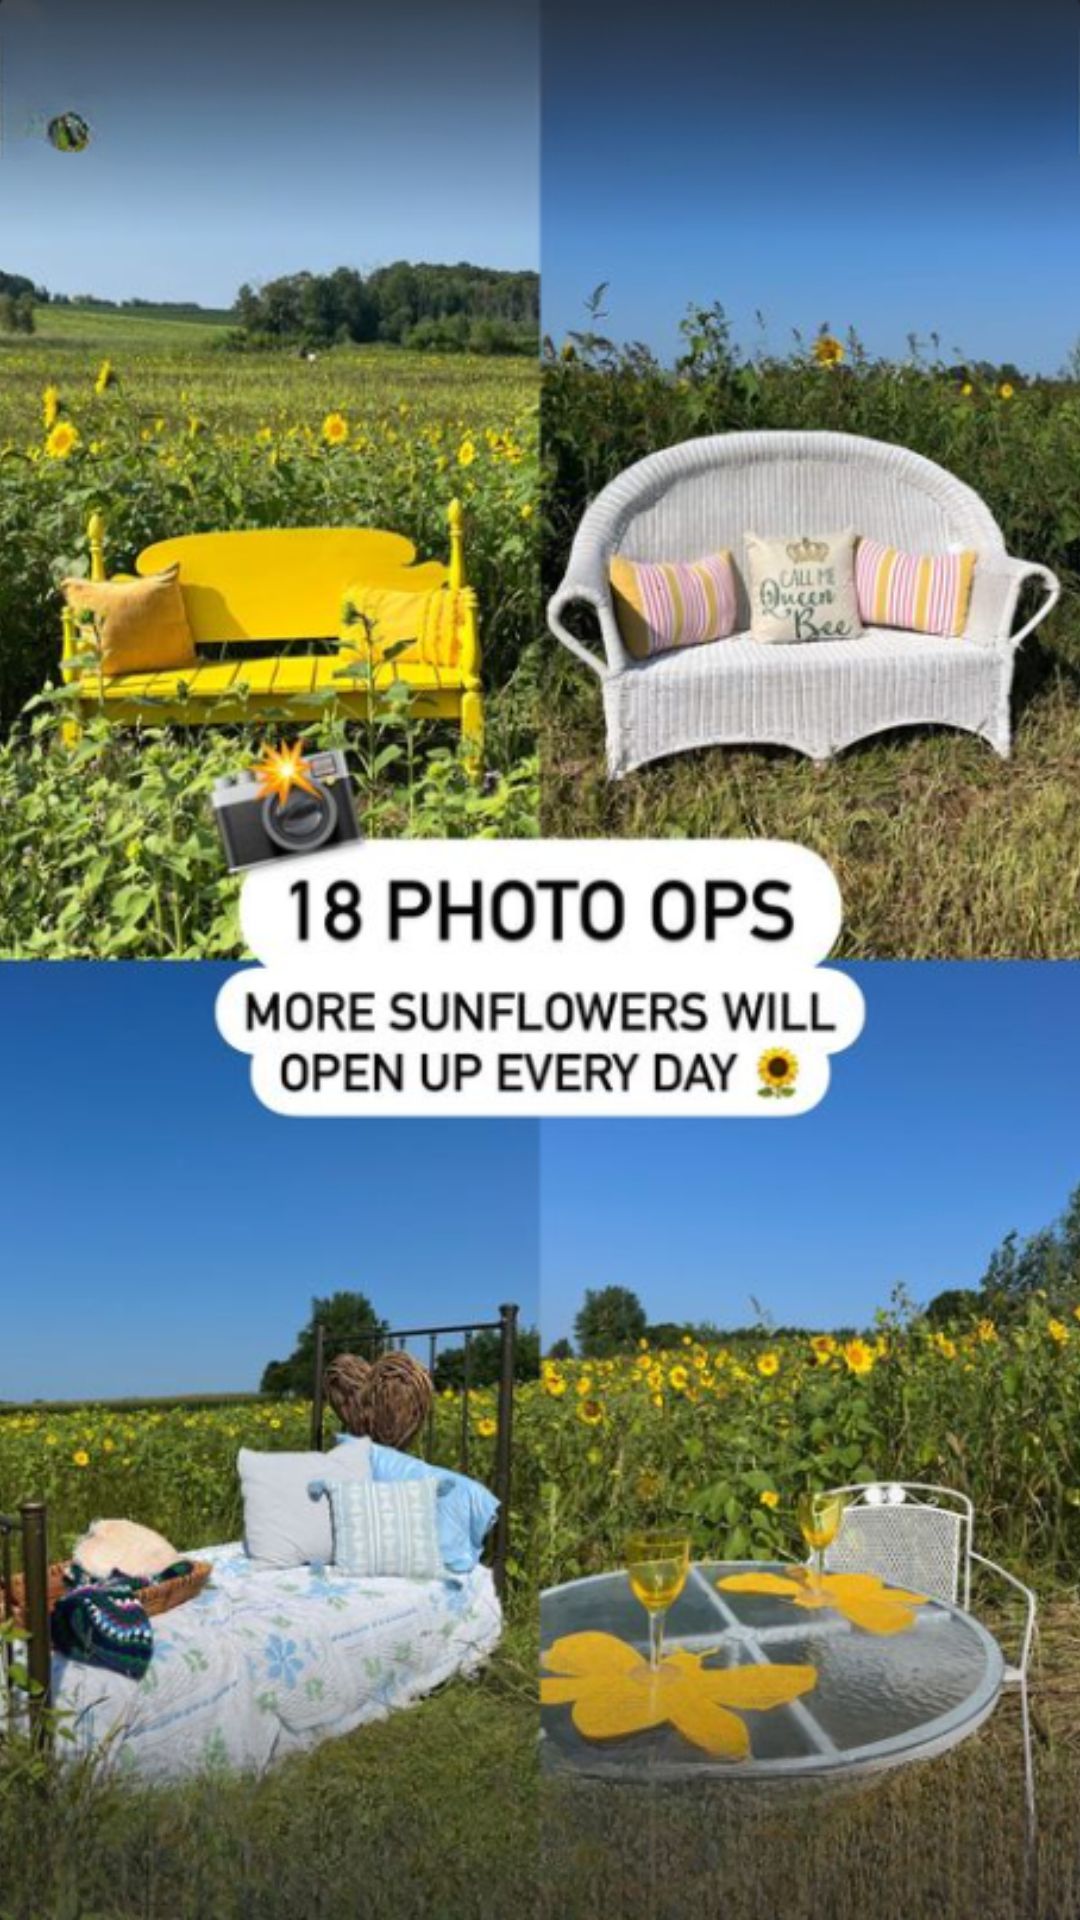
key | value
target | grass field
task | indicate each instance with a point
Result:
(941, 849)
(112, 851)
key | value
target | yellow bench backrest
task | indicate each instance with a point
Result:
(284, 583)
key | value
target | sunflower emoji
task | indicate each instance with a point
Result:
(778, 1071)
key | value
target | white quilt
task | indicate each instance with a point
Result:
(264, 1664)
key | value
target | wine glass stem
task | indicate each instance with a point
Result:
(656, 1639)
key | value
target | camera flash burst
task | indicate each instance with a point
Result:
(283, 768)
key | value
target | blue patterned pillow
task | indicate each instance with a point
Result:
(466, 1508)
(388, 1529)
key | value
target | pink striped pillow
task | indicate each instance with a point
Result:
(921, 592)
(680, 603)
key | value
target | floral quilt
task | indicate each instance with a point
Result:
(267, 1663)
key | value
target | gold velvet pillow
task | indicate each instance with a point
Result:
(416, 628)
(141, 625)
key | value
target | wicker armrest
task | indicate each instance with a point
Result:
(1015, 572)
(600, 602)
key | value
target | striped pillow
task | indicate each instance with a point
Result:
(679, 603)
(389, 1529)
(921, 592)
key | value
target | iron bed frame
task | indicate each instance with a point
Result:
(27, 1682)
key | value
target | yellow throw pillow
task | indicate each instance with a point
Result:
(664, 604)
(413, 628)
(141, 625)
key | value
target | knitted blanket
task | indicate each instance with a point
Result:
(103, 1622)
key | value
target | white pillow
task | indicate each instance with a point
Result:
(386, 1527)
(122, 1546)
(803, 588)
(283, 1525)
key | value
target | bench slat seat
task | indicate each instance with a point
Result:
(279, 587)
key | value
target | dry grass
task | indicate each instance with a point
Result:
(940, 1841)
(941, 849)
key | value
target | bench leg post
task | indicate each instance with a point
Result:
(472, 733)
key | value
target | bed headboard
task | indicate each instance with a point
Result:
(374, 1340)
(29, 1599)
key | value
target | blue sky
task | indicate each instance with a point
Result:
(163, 1233)
(899, 170)
(240, 139)
(952, 1120)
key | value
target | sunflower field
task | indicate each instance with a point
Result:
(166, 432)
(172, 1466)
(723, 1438)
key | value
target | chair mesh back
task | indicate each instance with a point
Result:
(909, 1546)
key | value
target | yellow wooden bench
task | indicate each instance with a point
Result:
(283, 585)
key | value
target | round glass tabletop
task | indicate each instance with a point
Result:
(867, 1700)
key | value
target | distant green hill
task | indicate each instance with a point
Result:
(112, 328)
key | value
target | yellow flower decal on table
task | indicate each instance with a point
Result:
(778, 1071)
(614, 1692)
(862, 1598)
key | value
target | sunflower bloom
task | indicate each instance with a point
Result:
(768, 1364)
(828, 352)
(858, 1357)
(80, 1458)
(50, 407)
(62, 441)
(466, 453)
(486, 1427)
(770, 1499)
(106, 377)
(1007, 390)
(335, 429)
(591, 1412)
(1058, 1331)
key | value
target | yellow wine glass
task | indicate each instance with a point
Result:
(657, 1565)
(820, 1515)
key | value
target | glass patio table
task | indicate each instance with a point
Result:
(877, 1702)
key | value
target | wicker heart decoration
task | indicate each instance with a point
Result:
(387, 1399)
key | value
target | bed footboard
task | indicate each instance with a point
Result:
(31, 1603)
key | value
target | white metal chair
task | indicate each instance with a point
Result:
(920, 1536)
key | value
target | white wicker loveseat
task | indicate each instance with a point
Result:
(819, 696)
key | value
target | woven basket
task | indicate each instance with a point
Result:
(387, 1400)
(160, 1598)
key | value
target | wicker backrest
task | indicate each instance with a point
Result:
(706, 494)
(906, 1539)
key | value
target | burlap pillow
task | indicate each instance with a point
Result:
(803, 588)
(141, 625)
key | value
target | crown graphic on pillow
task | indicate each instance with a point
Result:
(803, 552)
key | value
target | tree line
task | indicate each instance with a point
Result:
(612, 1320)
(479, 309)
